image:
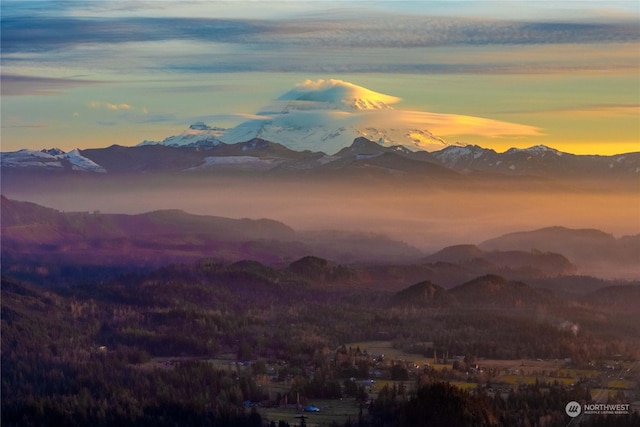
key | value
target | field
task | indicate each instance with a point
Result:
(386, 349)
(514, 372)
(330, 411)
(510, 373)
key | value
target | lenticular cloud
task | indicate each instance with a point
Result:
(337, 94)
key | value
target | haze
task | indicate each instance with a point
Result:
(428, 216)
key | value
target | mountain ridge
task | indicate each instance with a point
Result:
(484, 291)
(165, 236)
(591, 249)
(537, 160)
(546, 263)
(155, 238)
(262, 156)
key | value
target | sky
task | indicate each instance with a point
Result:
(86, 74)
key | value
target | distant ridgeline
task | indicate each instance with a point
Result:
(265, 157)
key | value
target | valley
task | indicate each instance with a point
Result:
(90, 298)
(281, 340)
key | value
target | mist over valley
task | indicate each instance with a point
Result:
(425, 211)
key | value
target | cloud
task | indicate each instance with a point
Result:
(145, 117)
(411, 32)
(213, 118)
(331, 41)
(447, 124)
(109, 106)
(602, 110)
(14, 84)
(26, 126)
(21, 122)
(118, 106)
(370, 108)
(44, 34)
(591, 110)
(129, 114)
(389, 29)
(333, 93)
(316, 106)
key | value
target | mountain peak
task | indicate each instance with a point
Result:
(423, 294)
(52, 151)
(198, 134)
(536, 149)
(365, 146)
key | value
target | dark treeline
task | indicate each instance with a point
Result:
(85, 354)
(442, 405)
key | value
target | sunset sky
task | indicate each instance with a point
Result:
(84, 74)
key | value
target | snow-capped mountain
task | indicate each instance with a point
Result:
(538, 160)
(51, 160)
(198, 134)
(361, 156)
(323, 116)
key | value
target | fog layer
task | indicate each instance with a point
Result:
(426, 215)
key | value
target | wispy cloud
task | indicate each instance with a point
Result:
(19, 33)
(127, 113)
(231, 117)
(26, 125)
(145, 117)
(21, 122)
(602, 110)
(344, 104)
(110, 106)
(449, 124)
(588, 110)
(331, 41)
(12, 84)
(119, 107)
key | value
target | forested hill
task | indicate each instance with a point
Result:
(22, 219)
(188, 344)
(78, 239)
